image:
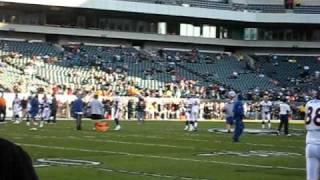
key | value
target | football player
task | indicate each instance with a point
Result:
(116, 107)
(228, 110)
(195, 113)
(312, 122)
(16, 109)
(33, 110)
(188, 107)
(266, 107)
(45, 110)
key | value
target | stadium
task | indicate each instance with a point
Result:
(159, 89)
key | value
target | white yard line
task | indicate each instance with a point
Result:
(109, 141)
(200, 120)
(91, 138)
(156, 175)
(161, 157)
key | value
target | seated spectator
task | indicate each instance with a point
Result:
(317, 74)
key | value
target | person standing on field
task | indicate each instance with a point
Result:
(284, 113)
(312, 125)
(77, 111)
(3, 108)
(54, 108)
(238, 115)
(141, 107)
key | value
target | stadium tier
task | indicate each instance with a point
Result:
(160, 89)
(72, 65)
(291, 70)
(265, 8)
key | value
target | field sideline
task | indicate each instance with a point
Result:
(161, 150)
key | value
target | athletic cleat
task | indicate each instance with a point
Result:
(118, 127)
(35, 123)
(16, 122)
(33, 129)
(41, 125)
(28, 123)
(191, 128)
(186, 128)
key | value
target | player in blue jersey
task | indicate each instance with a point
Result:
(238, 115)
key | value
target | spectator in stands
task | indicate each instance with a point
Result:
(234, 75)
(289, 4)
(15, 163)
(317, 74)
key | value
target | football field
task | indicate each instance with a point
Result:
(159, 150)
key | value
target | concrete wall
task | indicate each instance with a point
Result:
(24, 36)
(153, 37)
(148, 8)
(126, 36)
(269, 2)
(310, 2)
(154, 46)
(104, 41)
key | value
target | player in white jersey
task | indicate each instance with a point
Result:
(188, 107)
(16, 109)
(228, 110)
(266, 107)
(116, 108)
(312, 121)
(195, 114)
(45, 110)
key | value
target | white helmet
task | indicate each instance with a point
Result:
(232, 94)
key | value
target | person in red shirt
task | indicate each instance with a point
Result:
(3, 108)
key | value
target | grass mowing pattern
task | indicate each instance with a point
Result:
(158, 150)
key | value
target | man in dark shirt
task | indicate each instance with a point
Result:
(130, 109)
(54, 108)
(141, 106)
(24, 107)
(77, 111)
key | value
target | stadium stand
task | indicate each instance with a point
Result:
(296, 71)
(117, 67)
(307, 9)
(265, 8)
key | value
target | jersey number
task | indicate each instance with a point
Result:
(315, 119)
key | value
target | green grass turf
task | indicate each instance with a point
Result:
(158, 150)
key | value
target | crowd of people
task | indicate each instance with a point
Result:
(48, 108)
